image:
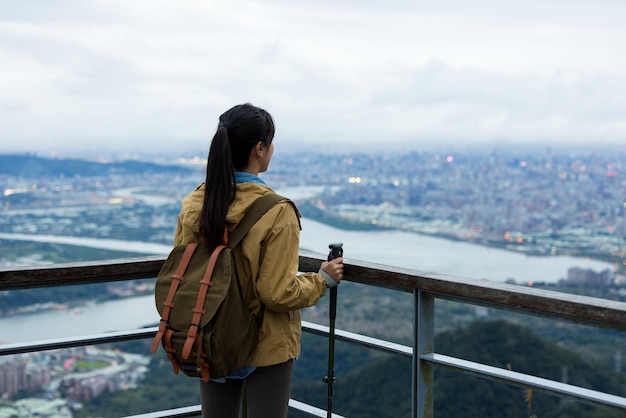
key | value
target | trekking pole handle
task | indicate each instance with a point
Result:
(336, 250)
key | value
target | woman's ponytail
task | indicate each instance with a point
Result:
(220, 189)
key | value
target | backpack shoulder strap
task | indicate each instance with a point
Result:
(256, 211)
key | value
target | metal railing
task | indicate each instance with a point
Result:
(425, 287)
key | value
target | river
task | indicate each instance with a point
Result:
(116, 315)
(397, 248)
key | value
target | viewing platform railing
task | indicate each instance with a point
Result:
(426, 289)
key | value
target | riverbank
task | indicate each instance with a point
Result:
(433, 228)
(391, 247)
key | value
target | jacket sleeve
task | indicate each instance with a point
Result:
(279, 286)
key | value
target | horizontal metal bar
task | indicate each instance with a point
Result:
(137, 334)
(310, 410)
(362, 340)
(196, 410)
(527, 381)
(56, 343)
(188, 411)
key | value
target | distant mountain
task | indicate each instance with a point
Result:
(33, 166)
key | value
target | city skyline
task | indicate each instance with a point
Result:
(132, 76)
(553, 204)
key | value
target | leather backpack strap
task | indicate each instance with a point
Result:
(198, 310)
(177, 277)
(256, 211)
(170, 350)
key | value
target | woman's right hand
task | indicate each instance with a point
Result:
(334, 268)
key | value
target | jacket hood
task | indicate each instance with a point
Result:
(245, 195)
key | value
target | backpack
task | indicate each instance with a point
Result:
(205, 328)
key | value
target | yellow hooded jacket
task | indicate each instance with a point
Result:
(268, 254)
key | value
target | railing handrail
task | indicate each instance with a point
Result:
(580, 309)
(426, 287)
(84, 272)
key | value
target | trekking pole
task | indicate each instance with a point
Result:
(336, 251)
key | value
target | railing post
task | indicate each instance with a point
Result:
(423, 343)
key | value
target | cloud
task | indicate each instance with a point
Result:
(150, 74)
(532, 108)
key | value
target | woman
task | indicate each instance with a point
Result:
(242, 148)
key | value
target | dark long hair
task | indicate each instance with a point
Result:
(239, 130)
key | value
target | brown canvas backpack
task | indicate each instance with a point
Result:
(205, 328)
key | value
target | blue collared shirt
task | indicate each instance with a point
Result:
(243, 177)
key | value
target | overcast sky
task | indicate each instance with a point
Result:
(153, 74)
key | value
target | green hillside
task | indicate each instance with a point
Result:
(383, 389)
